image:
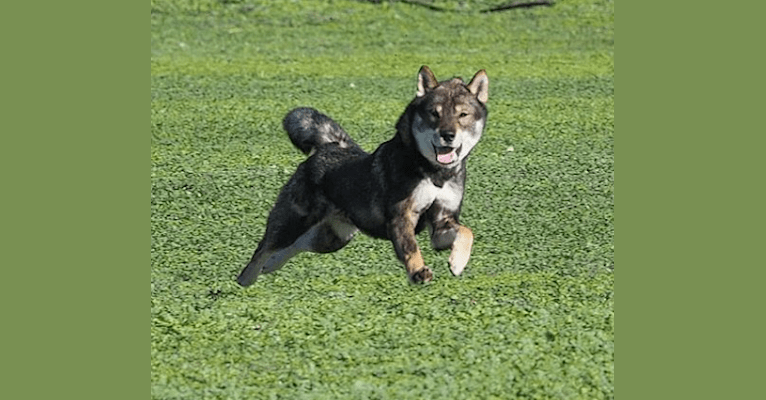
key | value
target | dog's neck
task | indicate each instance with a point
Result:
(439, 176)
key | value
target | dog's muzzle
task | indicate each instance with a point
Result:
(446, 155)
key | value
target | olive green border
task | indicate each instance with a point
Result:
(74, 221)
(75, 151)
(120, 158)
(686, 216)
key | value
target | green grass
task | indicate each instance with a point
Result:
(532, 316)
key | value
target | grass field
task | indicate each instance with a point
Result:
(533, 315)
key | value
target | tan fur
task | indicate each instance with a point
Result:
(461, 250)
(405, 243)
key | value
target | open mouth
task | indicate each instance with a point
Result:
(446, 155)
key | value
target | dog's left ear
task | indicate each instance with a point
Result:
(479, 86)
(426, 81)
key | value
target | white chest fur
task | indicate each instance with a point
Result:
(426, 193)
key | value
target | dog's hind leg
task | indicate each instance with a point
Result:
(332, 234)
(273, 252)
(327, 236)
(288, 222)
(283, 242)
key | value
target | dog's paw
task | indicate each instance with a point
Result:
(457, 265)
(422, 276)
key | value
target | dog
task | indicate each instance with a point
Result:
(413, 181)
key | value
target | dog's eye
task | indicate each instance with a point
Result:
(463, 115)
(434, 113)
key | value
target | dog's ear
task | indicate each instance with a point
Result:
(479, 86)
(426, 81)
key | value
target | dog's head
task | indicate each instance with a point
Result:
(447, 118)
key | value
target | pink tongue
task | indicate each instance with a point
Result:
(446, 158)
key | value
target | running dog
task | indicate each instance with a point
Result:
(413, 181)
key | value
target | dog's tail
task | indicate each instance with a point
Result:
(308, 129)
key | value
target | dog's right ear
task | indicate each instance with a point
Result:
(426, 81)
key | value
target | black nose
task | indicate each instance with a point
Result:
(448, 136)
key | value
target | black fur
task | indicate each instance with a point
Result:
(340, 188)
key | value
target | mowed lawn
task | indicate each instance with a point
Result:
(532, 317)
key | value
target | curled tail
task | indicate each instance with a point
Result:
(308, 129)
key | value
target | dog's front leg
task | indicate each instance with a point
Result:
(449, 234)
(461, 250)
(402, 233)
